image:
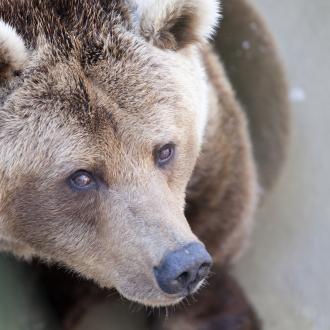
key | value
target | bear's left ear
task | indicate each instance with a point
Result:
(174, 24)
(13, 53)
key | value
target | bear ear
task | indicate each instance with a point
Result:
(174, 24)
(13, 53)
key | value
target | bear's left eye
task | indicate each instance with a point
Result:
(165, 154)
(82, 180)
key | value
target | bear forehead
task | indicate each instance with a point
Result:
(89, 65)
(59, 20)
(115, 92)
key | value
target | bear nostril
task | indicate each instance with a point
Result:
(182, 270)
(183, 278)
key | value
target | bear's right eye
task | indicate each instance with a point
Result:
(82, 180)
(165, 154)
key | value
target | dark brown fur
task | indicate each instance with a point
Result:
(221, 306)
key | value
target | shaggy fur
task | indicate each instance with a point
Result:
(104, 84)
(173, 24)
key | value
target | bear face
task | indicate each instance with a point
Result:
(100, 130)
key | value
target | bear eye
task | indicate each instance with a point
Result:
(165, 154)
(82, 180)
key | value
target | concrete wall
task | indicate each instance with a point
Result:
(287, 270)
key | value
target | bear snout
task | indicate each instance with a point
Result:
(183, 270)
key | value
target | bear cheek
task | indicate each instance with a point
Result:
(52, 221)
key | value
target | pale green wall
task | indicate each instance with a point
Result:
(21, 303)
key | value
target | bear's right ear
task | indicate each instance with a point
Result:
(13, 53)
(175, 24)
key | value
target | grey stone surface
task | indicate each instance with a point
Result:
(286, 271)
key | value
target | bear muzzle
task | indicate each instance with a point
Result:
(182, 271)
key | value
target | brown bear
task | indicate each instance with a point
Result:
(124, 153)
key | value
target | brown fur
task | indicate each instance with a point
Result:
(98, 93)
(222, 198)
(224, 307)
(177, 32)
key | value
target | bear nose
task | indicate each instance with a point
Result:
(182, 270)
